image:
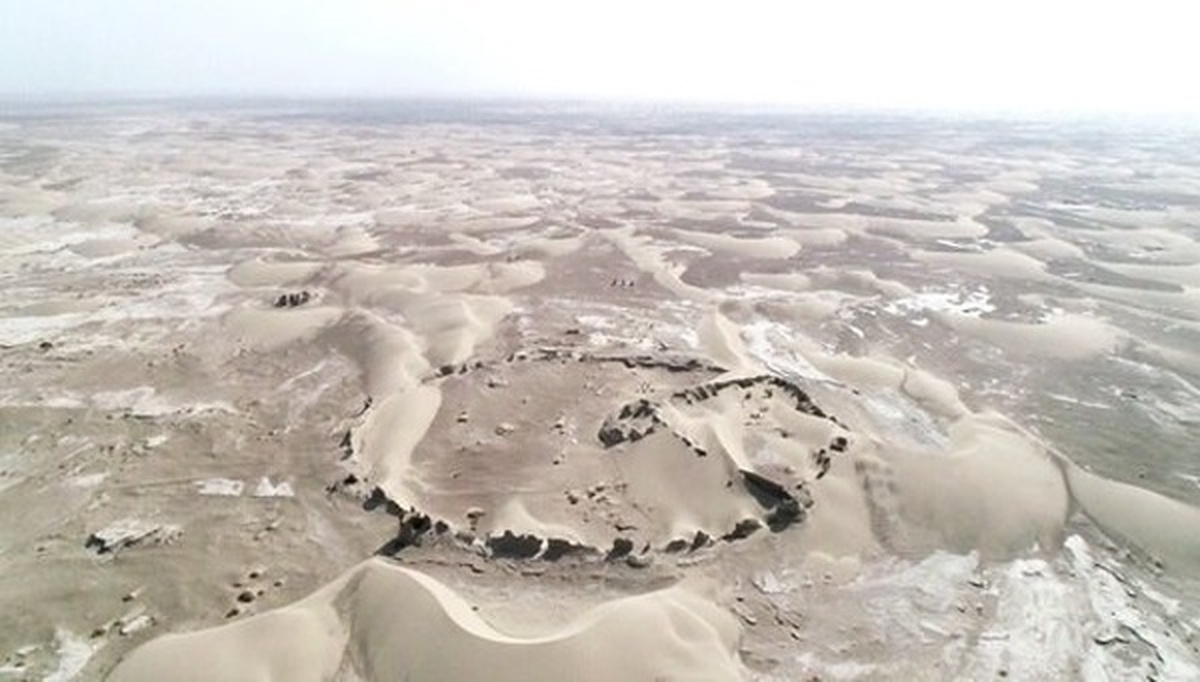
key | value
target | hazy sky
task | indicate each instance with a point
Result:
(1125, 55)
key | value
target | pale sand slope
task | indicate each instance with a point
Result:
(397, 324)
(383, 622)
(1160, 525)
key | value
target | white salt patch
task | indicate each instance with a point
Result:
(27, 329)
(1076, 401)
(1077, 617)
(291, 383)
(19, 397)
(220, 487)
(1116, 609)
(1036, 632)
(131, 531)
(931, 585)
(595, 321)
(766, 457)
(1183, 414)
(598, 340)
(190, 295)
(74, 652)
(212, 406)
(970, 303)
(144, 401)
(957, 246)
(895, 411)
(768, 583)
(841, 670)
(136, 624)
(10, 464)
(1170, 606)
(770, 344)
(88, 481)
(266, 489)
(1194, 480)
(63, 402)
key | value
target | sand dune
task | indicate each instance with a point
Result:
(992, 491)
(749, 247)
(259, 273)
(380, 621)
(1066, 336)
(1000, 262)
(1166, 528)
(266, 329)
(643, 470)
(920, 400)
(651, 258)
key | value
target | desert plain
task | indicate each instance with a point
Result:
(464, 391)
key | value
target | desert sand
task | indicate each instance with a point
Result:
(306, 392)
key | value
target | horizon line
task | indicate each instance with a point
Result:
(131, 97)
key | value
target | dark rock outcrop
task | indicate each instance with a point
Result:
(293, 299)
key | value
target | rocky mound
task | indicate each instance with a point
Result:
(511, 468)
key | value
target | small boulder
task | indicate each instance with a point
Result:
(639, 560)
